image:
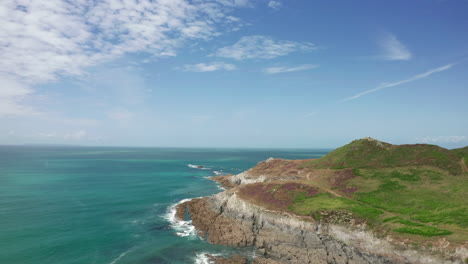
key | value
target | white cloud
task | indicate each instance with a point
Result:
(43, 40)
(275, 70)
(262, 47)
(387, 85)
(14, 106)
(393, 49)
(442, 139)
(274, 4)
(11, 94)
(208, 67)
(236, 3)
(12, 88)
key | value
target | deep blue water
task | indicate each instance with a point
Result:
(102, 205)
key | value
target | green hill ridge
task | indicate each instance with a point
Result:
(371, 153)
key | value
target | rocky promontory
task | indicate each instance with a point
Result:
(274, 208)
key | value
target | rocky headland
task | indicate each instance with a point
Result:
(274, 208)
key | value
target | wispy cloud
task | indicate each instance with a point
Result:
(236, 3)
(392, 48)
(208, 67)
(412, 79)
(275, 70)
(43, 40)
(274, 4)
(262, 47)
(74, 135)
(442, 139)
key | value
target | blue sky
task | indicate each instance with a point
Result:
(233, 73)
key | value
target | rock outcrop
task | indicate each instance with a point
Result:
(236, 259)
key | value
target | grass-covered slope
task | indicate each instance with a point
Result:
(412, 191)
(371, 153)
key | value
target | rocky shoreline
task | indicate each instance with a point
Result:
(280, 237)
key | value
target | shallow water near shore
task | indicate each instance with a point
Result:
(101, 205)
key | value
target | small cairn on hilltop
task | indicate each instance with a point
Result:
(266, 161)
(377, 142)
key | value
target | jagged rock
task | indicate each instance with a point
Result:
(224, 181)
(260, 260)
(231, 260)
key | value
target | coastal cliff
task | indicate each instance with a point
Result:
(264, 208)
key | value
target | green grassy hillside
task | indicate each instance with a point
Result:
(370, 153)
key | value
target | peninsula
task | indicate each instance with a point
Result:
(366, 202)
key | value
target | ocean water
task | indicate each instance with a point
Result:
(102, 205)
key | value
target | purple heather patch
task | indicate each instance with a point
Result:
(277, 195)
(340, 181)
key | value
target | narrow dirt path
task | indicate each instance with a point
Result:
(336, 194)
(465, 168)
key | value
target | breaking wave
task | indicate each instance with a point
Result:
(183, 228)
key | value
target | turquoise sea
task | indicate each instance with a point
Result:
(103, 205)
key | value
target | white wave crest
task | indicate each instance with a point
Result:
(202, 258)
(183, 228)
(193, 166)
(217, 173)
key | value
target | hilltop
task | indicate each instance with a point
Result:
(371, 153)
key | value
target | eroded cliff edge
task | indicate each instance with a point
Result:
(284, 238)
(234, 219)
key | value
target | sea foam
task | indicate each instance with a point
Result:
(183, 228)
(201, 258)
